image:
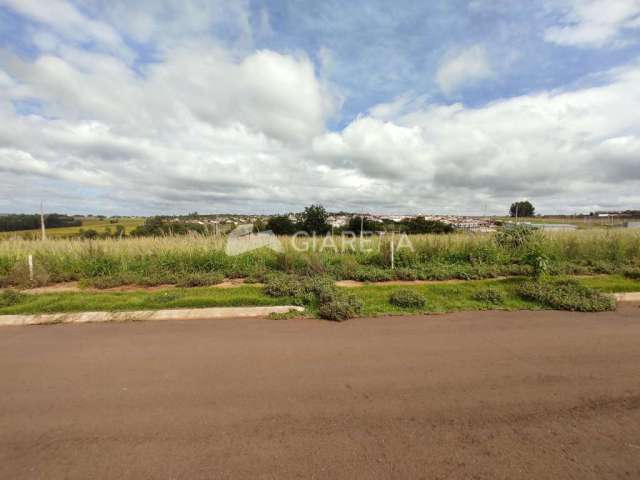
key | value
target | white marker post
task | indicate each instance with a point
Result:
(30, 263)
(393, 260)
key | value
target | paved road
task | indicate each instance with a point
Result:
(469, 395)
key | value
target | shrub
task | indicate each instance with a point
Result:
(20, 277)
(373, 274)
(279, 285)
(340, 307)
(633, 274)
(200, 279)
(567, 295)
(406, 298)
(489, 295)
(10, 297)
(514, 237)
(406, 274)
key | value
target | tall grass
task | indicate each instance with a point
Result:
(432, 256)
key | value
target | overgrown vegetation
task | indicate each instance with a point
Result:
(567, 295)
(374, 299)
(407, 298)
(433, 257)
(491, 295)
(10, 297)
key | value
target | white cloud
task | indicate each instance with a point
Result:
(594, 23)
(68, 22)
(209, 127)
(459, 68)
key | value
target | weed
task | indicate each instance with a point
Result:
(567, 295)
(406, 298)
(492, 296)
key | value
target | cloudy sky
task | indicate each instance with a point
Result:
(451, 106)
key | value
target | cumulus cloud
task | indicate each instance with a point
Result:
(594, 23)
(463, 67)
(206, 126)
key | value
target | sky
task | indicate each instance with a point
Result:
(448, 106)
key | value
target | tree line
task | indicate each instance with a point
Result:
(314, 219)
(15, 222)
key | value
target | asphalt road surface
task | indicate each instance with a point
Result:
(468, 395)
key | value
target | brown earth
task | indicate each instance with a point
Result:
(486, 395)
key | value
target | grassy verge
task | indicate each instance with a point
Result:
(245, 296)
(439, 298)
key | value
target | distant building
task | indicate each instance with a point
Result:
(632, 224)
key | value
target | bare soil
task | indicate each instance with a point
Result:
(483, 395)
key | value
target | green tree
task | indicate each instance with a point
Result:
(281, 225)
(418, 225)
(367, 225)
(314, 219)
(522, 209)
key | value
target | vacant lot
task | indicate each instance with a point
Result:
(465, 395)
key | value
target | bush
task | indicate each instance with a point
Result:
(567, 295)
(200, 279)
(514, 237)
(406, 298)
(633, 274)
(406, 274)
(489, 295)
(279, 285)
(10, 297)
(340, 307)
(372, 274)
(20, 277)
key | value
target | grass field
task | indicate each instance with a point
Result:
(431, 257)
(439, 298)
(99, 225)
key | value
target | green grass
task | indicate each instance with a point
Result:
(244, 296)
(96, 224)
(440, 298)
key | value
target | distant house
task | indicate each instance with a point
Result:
(632, 224)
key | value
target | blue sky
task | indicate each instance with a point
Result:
(440, 106)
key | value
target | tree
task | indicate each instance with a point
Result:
(418, 225)
(281, 225)
(314, 219)
(522, 209)
(367, 225)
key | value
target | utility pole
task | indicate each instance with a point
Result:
(361, 226)
(44, 235)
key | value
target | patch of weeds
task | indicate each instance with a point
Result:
(567, 295)
(372, 274)
(340, 307)
(200, 279)
(406, 298)
(22, 278)
(286, 315)
(633, 274)
(10, 297)
(406, 274)
(489, 295)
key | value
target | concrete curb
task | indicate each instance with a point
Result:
(627, 297)
(186, 314)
